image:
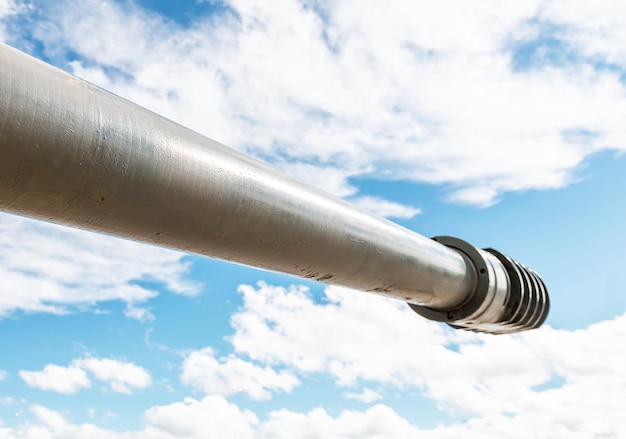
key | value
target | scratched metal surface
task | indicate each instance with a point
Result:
(74, 154)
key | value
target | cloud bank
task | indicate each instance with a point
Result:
(515, 98)
(545, 383)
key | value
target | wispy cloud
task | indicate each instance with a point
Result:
(7, 9)
(423, 91)
(138, 313)
(389, 91)
(49, 268)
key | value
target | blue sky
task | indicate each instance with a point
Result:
(497, 122)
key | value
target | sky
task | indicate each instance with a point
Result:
(499, 122)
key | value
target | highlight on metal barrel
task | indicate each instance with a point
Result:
(75, 154)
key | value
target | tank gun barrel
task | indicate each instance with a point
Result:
(75, 154)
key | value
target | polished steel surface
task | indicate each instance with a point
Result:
(74, 154)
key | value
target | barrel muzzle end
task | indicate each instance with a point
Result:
(508, 297)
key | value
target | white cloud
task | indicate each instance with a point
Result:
(212, 416)
(351, 335)
(231, 375)
(421, 91)
(122, 376)
(7, 8)
(376, 422)
(386, 208)
(59, 379)
(502, 384)
(367, 396)
(50, 418)
(495, 380)
(49, 268)
(597, 29)
(138, 313)
(3, 375)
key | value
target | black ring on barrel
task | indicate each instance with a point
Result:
(477, 297)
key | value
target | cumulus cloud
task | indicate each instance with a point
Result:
(352, 335)
(49, 268)
(555, 383)
(58, 379)
(213, 416)
(379, 421)
(122, 376)
(431, 92)
(438, 93)
(545, 374)
(227, 376)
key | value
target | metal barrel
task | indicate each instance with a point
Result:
(75, 154)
